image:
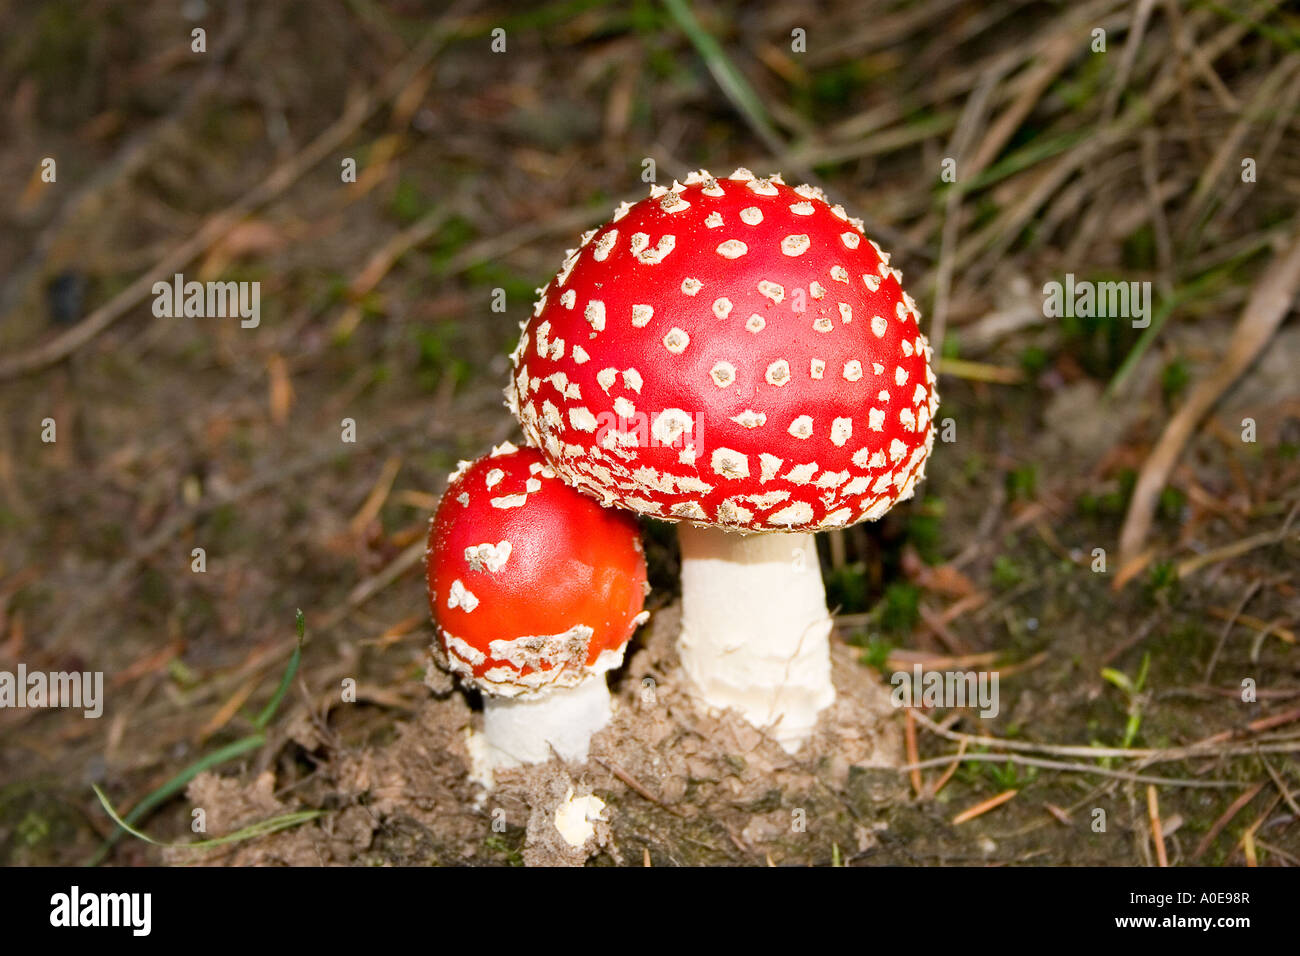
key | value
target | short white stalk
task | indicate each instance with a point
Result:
(755, 631)
(520, 730)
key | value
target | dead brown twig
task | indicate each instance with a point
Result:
(1157, 831)
(1268, 305)
(984, 807)
(632, 782)
(1225, 818)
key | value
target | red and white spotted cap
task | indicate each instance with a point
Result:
(532, 585)
(731, 352)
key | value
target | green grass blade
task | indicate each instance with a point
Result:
(261, 828)
(219, 756)
(1201, 285)
(176, 784)
(295, 658)
(732, 81)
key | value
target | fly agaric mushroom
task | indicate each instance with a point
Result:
(535, 590)
(736, 356)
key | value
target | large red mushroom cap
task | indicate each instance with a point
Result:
(730, 352)
(531, 584)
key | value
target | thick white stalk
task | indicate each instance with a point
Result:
(755, 631)
(521, 730)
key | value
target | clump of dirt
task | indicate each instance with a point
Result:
(545, 789)
(689, 757)
(677, 784)
(224, 805)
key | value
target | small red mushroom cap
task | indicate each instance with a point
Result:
(531, 584)
(730, 352)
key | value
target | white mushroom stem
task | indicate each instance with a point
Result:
(520, 730)
(755, 631)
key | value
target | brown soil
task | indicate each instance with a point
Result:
(679, 785)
